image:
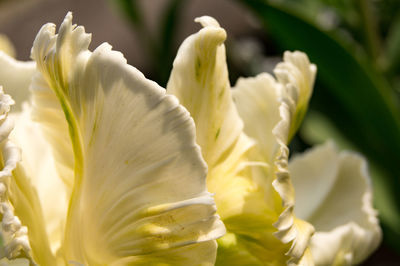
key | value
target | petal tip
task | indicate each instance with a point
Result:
(207, 21)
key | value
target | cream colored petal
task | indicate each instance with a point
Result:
(347, 230)
(258, 100)
(316, 170)
(200, 81)
(47, 111)
(139, 191)
(263, 106)
(196, 254)
(20, 208)
(297, 75)
(42, 173)
(15, 77)
(242, 180)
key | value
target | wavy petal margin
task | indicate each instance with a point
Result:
(269, 109)
(128, 135)
(297, 75)
(343, 184)
(15, 236)
(289, 227)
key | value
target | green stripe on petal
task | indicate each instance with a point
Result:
(200, 81)
(139, 193)
(244, 182)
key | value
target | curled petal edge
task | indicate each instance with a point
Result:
(14, 234)
(289, 227)
(297, 76)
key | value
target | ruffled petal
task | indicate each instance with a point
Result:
(316, 170)
(14, 235)
(42, 173)
(262, 103)
(15, 77)
(126, 135)
(297, 75)
(347, 229)
(20, 208)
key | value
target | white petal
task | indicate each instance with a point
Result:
(316, 170)
(139, 185)
(347, 230)
(263, 106)
(19, 207)
(258, 100)
(42, 173)
(47, 111)
(200, 81)
(15, 77)
(297, 75)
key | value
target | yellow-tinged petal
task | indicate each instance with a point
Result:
(139, 193)
(16, 262)
(43, 185)
(247, 200)
(297, 76)
(20, 207)
(263, 105)
(337, 187)
(258, 101)
(47, 111)
(15, 77)
(200, 81)
(42, 172)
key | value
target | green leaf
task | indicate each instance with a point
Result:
(131, 10)
(166, 51)
(393, 46)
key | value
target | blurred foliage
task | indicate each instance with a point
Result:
(160, 47)
(356, 47)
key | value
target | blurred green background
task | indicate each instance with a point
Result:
(354, 43)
